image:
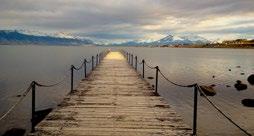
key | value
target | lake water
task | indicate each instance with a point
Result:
(22, 64)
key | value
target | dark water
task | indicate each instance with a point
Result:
(21, 65)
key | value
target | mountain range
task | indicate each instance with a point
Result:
(15, 37)
(23, 37)
(169, 40)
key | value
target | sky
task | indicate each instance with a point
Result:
(124, 20)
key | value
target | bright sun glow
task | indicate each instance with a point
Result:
(115, 56)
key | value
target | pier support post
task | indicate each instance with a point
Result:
(156, 80)
(127, 56)
(33, 107)
(72, 68)
(85, 67)
(129, 60)
(96, 59)
(143, 66)
(92, 62)
(132, 60)
(195, 110)
(136, 63)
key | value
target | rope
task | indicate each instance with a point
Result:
(78, 68)
(51, 85)
(150, 66)
(192, 85)
(14, 105)
(88, 61)
(140, 62)
(222, 113)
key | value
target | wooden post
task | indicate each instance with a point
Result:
(136, 63)
(195, 110)
(132, 60)
(33, 106)
(85, 67)
(96, 59)
(92, 62)
(127, 56)
(156, 80)
(143, 65)
(72, 68)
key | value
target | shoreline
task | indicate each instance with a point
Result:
(230, 46)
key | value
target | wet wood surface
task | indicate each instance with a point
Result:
(113, 100)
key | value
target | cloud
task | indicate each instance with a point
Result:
(116, 20)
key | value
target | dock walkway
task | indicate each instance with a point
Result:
(113, 100)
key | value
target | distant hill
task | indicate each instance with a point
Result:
(169, 40)
(15, 37)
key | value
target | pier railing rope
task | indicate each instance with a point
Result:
(33, 84)
(196, 87)
(221, 112)
(24, 94)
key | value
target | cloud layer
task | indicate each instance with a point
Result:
(123, 20)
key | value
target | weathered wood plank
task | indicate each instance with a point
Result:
(113, 100)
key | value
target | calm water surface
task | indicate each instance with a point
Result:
(21, 65)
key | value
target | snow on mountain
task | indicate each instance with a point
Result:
(181, 39)
(169, 40)
(35, 37)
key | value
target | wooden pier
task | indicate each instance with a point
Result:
(113, 100)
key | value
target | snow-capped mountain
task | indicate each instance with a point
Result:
(169, 40)
(21, 37)
(181, 40)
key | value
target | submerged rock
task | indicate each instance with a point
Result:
(251, 79)
(238, 66)
(208, 90)
(15, 132)
(240, 86)
(248, 102)
(213, 85)
(242, 73)
(150, 77)
(229, 69)
(228, 86)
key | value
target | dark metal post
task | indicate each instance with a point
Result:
(72, 68)
(143, 65)
(85, 67)
(92, 62)
(131, 59)
(156, 80)
(96, 59)
(33, 107)
(195, 110)
(136, 63)
(127, 57)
